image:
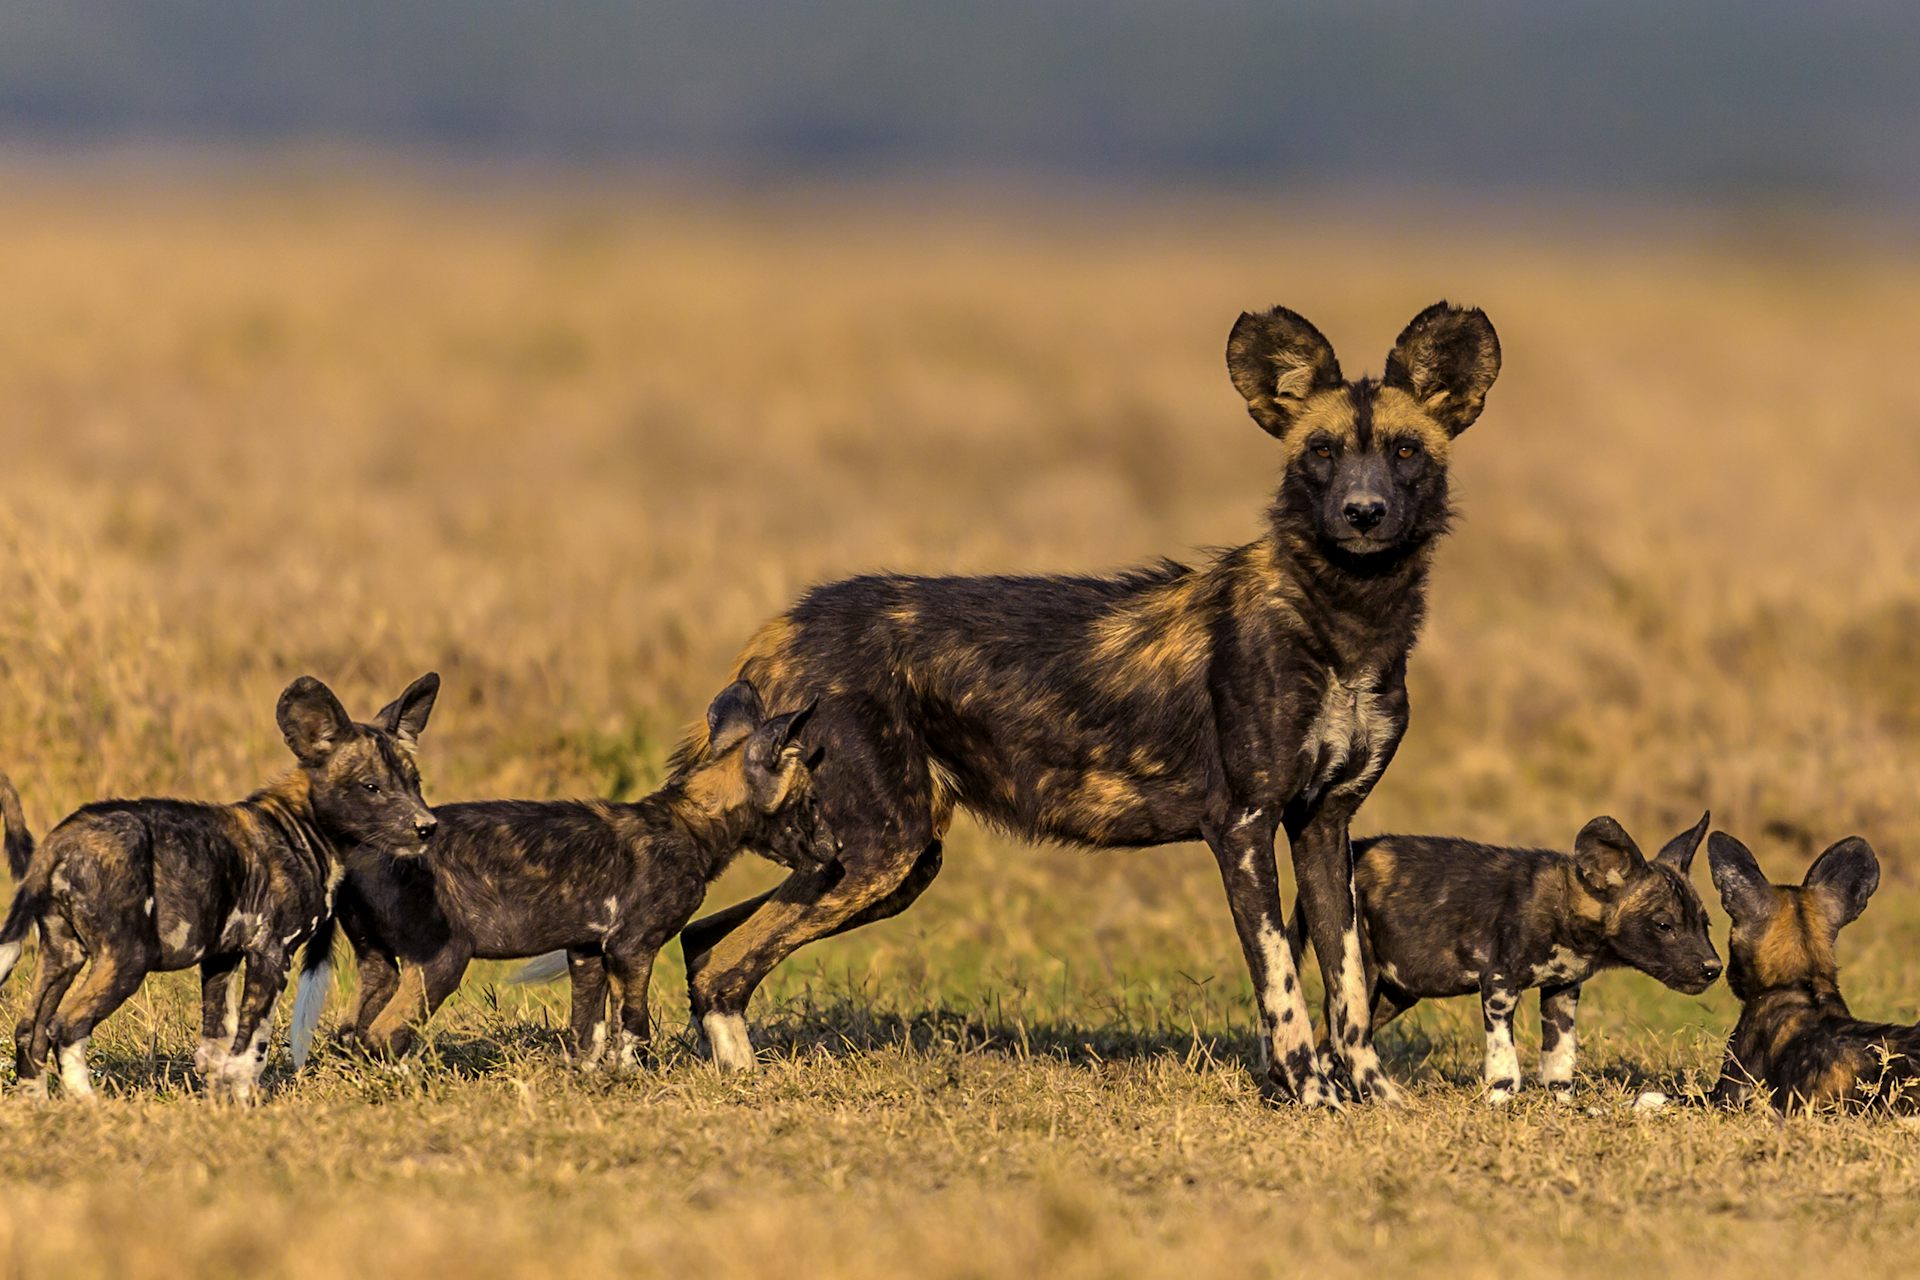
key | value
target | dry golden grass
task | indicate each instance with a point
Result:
(569, 448)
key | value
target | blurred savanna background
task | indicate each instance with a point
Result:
(556, 346)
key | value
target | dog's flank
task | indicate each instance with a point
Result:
(1259, 692)
(603, 884)
(1446, 917)
(124, 888)
(1796, 1043)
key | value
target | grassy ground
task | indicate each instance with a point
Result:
(569, 449)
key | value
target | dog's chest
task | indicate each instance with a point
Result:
(1561, 965)
(1349, 732)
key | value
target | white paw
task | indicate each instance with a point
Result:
(1651, 1100)
(1499, 1095)
(727, 1034)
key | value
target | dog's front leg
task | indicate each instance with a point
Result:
(253, 1023)
(1498, 999)
(1559, 1040)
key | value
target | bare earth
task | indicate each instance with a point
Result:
(569, 448)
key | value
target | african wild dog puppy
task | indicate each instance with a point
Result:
(1263, 691)
(1796, 1041)
(606, 883)
(132, 887)
(1448, 917)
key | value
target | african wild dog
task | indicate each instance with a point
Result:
(1262, 691)
(1796, 1041)
(607, 883)
(132, 887)
(1447, 917)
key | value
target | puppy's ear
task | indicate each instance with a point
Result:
(1843, 878)
(1277, 360)
(734, 713)
(406, 716)
(775, 743)
(1446, 358)
(1605, 856)
(1678, 852)
(312, 721)
(1744, 890)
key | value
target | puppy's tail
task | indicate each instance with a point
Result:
(541, 968)
(316, 981)
(19, 839)
(33, 875)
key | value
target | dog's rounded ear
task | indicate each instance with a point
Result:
(1844, 877)
(312, 721)
(406, 716)
(774, 743)
(1604, 856)
(1743, 887)
(734, 713)
(1446, 358)
(1277, 360)
(1678, 852)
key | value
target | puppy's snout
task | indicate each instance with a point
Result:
(1712, 969)
(1364, 510)
(425, 826)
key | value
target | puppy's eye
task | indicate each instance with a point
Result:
(373, 788)
(1405, 451)
(1664, 926)
(1323, 451)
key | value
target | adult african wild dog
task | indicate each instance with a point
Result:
(1446, 917)
(131, 887)
(1796, 1040)
(1262, 691)
(607, 883)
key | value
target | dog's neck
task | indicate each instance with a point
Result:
(287, 803)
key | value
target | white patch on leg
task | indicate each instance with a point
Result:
(595, 1048)
(727, 1034)
(73, 1069)
(1502, 1072)
(233, 1006)
(1557, 1062)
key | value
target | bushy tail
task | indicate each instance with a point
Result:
(316, 982)
(31, 894)
(19, 839)
(541, 968)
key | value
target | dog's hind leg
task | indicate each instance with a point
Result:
(587, 973)
(60, 960)
(111, 977)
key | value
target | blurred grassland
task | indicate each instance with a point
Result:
(569, 447)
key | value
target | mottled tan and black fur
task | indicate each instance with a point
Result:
(1447, 917)
(1261, 691)
(125, 888)
(1797, 1043)
(605, 883)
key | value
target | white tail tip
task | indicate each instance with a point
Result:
(541, 969)
(9, 957)
(314, 986)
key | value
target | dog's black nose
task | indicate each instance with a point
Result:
(1712, 969)
(1364, 511)
(424, 827)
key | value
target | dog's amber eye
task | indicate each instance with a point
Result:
(1405, 451)
(1323, 451)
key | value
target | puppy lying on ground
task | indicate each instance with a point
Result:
(607, 884)
(125, 888)
(1796, 1039)
(1448, 917)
